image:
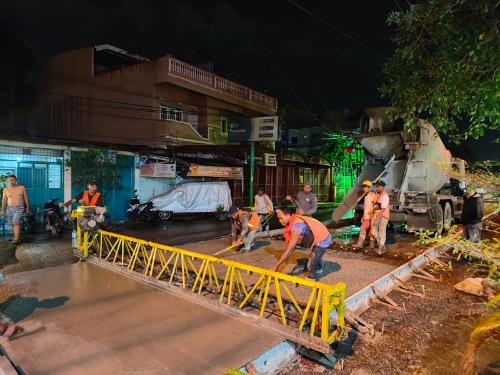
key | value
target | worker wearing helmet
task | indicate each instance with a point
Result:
(366, 220)
(472, 214)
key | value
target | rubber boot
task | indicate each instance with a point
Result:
(360, 243)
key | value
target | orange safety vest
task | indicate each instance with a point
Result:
(368, 210)
(319, 231)
(93, 201)
(387, 209)
(253, 223)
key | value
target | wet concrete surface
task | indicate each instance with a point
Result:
(99, 322)
(90, 322)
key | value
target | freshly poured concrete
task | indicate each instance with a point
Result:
(101, 322)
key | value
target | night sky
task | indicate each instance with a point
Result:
(309, 54)
(312, 55)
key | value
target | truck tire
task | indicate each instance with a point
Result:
(439, 219)
(447, 218)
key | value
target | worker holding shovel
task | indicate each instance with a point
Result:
(243, 227)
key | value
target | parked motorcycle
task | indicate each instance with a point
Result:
(28, 223)
(141, 211)
(52, 217)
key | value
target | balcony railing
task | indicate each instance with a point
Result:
(202, 77)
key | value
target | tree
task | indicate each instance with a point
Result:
(446, 66)
(334, 147)
(99, 163)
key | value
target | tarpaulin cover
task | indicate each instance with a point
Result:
(193, 197)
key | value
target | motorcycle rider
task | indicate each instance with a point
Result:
(88, 197)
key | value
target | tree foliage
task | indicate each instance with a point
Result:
(446, 66)
(333, 148)
(99, 163)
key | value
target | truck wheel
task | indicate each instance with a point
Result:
(447, 217)
(439, 219)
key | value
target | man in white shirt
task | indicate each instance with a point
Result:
(263, 205)
(381, 211)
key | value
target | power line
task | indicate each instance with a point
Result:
(337, 29)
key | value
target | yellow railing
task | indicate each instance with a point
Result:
(303, 305)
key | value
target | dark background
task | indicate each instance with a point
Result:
(312, 55)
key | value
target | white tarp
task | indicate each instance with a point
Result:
(194, 197)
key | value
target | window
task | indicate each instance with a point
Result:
(170, 111)
(223, 126)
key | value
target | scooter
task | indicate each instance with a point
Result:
(52, 217)
(141, 211)
(28, 223)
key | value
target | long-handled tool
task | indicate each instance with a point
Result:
(224, 250)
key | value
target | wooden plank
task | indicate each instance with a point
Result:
(357, 323)
(388, 305)
(423, 277)
(422, 271)
(384, 296)
(399, 289)
(435, 260)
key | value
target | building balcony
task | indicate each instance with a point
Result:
(182, 74)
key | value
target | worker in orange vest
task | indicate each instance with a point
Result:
(243, 227)
(87, 198)
(307, 232)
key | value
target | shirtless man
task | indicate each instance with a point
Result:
(15, 200)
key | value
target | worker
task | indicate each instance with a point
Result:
(243, 227)
(89, 197)
(472, 215)
(309, 233)
(366, 220)
(307, 202)
(263, 205)
(380, 216)
(7, 257)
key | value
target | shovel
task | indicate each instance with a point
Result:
(224, 250)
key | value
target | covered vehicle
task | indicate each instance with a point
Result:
(193, 198)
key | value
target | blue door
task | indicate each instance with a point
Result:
(116, 200)
(43, 181)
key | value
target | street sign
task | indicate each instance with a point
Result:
(255, 129)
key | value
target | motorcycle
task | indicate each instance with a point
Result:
(138, 211)
(28, 223)
(52, 217)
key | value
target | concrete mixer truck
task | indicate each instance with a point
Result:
(420, 193)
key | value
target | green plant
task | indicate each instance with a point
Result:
(219, 209)
(445, 66)
(100, 163)
(3, 183)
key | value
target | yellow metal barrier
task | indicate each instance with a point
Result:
(295, 302)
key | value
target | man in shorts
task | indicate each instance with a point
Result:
(14, 203)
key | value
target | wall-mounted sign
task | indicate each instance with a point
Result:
(269, 160)
(158, 170)
(253, 129)
(196, 170)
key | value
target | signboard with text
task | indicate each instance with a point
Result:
(255, 129)
(196, 170)
(158, 170)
